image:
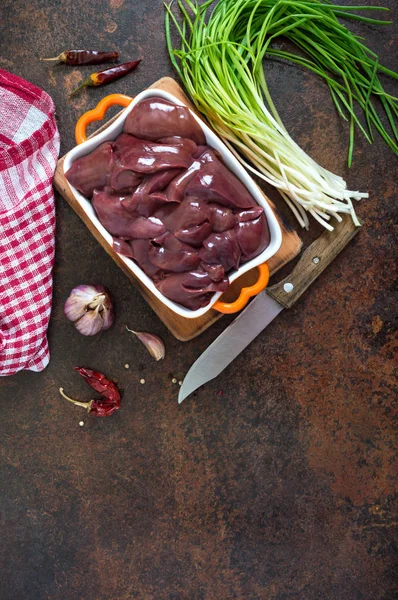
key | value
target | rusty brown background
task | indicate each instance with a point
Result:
(282, 487)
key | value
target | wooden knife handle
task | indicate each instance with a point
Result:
(312, 262)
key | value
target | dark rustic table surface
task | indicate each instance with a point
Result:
(280, 488)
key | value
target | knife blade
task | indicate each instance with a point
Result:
(266, 306)
(230, 343)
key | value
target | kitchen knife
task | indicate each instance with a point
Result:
(266, 306)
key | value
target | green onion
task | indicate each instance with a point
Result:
(221, 63)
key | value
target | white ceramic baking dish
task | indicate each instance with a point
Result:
(110, 133)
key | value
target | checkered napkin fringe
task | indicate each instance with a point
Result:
(29, 147)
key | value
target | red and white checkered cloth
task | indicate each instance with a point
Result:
(29, 147)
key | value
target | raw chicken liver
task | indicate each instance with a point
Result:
(171, 204)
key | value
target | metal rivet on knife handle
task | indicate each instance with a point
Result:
(288, 287)
(312, 262)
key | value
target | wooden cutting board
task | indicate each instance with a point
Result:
(183, 329)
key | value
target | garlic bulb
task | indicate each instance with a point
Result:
(152, 343)
(90, 308)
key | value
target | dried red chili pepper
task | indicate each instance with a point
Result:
(108, 75)
(101, 407)
(84, 57)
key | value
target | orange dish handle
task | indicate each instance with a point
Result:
(246, 293)
(98, 113)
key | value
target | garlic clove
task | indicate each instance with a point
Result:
(106, 311)
(90, 323)
(107, 316)
(152, 343)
